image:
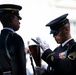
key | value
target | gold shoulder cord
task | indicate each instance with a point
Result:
(6, 44)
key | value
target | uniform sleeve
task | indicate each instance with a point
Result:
(65, 66)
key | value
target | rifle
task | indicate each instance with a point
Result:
(30, 53)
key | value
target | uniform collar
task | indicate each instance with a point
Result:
(66, 42)
(6, 28)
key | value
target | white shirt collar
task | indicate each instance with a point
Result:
(9, 29)
(66, 42)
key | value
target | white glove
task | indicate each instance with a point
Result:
(42, 44)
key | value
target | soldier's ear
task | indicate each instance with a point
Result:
(67, 28)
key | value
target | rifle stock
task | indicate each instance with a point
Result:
(35, 50)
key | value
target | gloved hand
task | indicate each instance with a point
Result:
(42, 44)
(39, 70)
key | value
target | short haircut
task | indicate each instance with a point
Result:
(6, 19)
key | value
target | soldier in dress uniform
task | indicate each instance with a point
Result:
(12, 49)
(63, 59)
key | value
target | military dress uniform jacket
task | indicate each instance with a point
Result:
(62, 60)
(12, 55)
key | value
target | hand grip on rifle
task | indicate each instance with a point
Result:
(39, 70)
(42, 44)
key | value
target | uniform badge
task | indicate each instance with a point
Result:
(62, 55)
(72, 55)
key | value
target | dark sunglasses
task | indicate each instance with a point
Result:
(54, 32)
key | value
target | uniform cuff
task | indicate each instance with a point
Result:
(46, 54)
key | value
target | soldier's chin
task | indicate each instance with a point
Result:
(16, 29)
(58, 42)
